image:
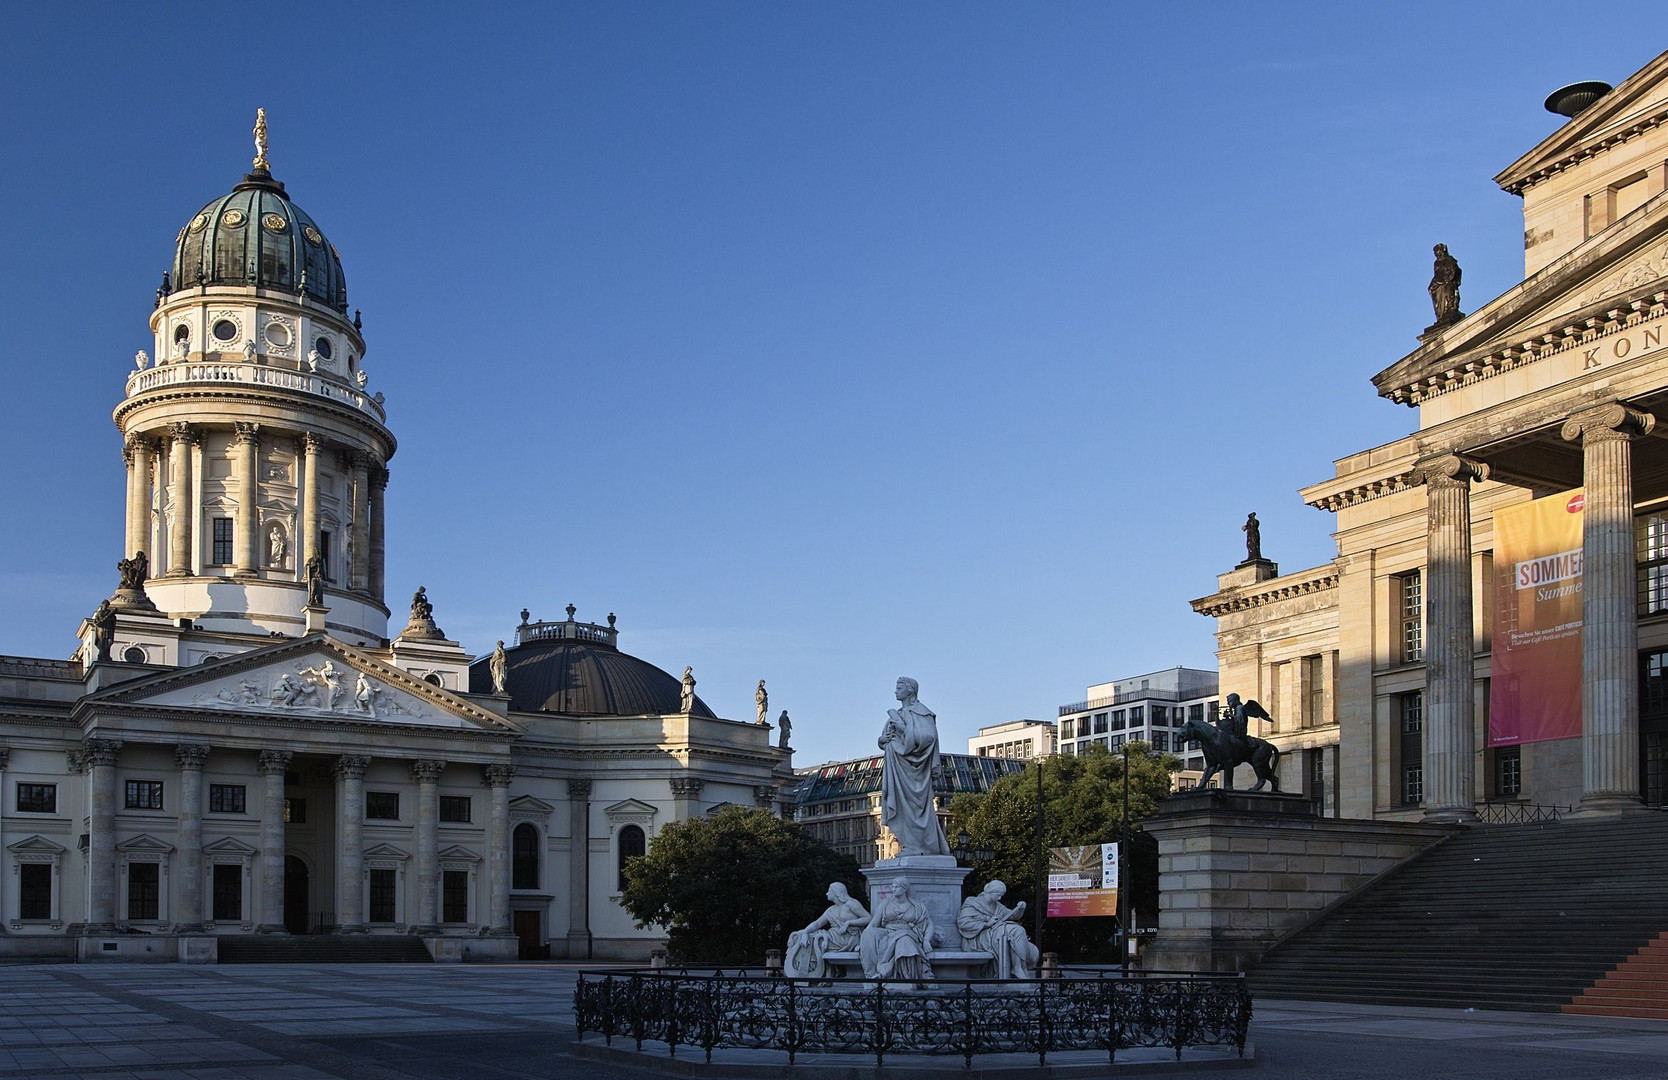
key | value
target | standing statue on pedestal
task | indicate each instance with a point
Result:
(1444, 289)
(988, 924)
(315, 580)
(898, 938)
(1253, 531)
(686, 698)
(907, 806)
(784, 727)
(761, 701)
(836, 930)
(499, 668)
(104, 630)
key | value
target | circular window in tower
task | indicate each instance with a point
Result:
(322, 347)
(225, 330)
(274, 223)
(134, 655)
(232, 219)
(278, 334)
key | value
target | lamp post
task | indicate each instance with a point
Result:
(1040, 908)
(1123, 870)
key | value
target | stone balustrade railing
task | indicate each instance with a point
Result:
(565, 631)
(204, 373)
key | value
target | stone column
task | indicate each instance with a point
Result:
(350, 842)
(497, 779)
(311, 448)
(246, 545)
(379, 535)
(1609, 608)
(181, 529)
(188, 886)
(686, 793)
(359, 572)
(1450, 712)
(427, 774)
(272, 764)
(5, 757)
(101, 757)
(138, 454)
(579, 869)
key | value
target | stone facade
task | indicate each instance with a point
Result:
(1376, 665)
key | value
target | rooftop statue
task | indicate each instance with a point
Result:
(315, 580)
(761, 699)
(784, 729)
(104, 630)
(499, 667)
(837, 929)
(260, 139)
(134, 570)
(1444, 289)
(686, 699)
(910, 742)
(421, 610)
(1253, 531)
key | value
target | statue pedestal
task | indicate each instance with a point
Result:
(934, 880)
(315, 617)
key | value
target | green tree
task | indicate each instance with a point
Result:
(1082, 804)
(728, 887)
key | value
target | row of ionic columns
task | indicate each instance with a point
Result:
(367, 482)
(99, 757)
(1610, 632)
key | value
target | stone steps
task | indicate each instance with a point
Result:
(323, 949)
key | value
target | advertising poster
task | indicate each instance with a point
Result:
(1535, 688)
(1083, 881)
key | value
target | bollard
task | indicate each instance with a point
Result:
(1050, 966)
(657, 958)
(773, 961)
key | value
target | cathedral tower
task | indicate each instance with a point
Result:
(252, 443)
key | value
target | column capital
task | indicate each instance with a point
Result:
(1610, 421)
(246, 432)
(1440, 470)
(312, 443)
(687, 786)
(352, 766)
(101, 751)
(579, 789)
(379, 474)
(190, 755)
(764, 794)
(497, 775)
(75, 761)
(427, 769)
(5, 756)
(182, 432)
(274, 761)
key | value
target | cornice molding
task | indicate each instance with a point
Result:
(1320, 579)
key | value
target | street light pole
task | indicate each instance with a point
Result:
(1042, 863)
(1123, 870)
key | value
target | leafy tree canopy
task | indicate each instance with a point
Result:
(1082, 799)
(730, 886)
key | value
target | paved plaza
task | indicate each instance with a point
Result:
(395, 1022)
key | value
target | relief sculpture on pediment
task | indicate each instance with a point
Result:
(321, 689)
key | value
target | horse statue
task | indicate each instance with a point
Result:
(1225, 749)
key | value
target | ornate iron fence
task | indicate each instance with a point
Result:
(1519, 813)
(946, 1017)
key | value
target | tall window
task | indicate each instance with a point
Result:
(1100, 721)
(382, 895)
(1412, 709)
(142, 891)
(1314, 700)
(1508, 771)
(632, 844)
(1651, 536)
(454, 896)
(324, 555)
(1068, 728)
(34, 898)
(1410, 607)
(524, 857)
(228, 892)
(1135, 716)
(222, 553)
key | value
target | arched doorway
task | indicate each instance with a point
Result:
(295, 895)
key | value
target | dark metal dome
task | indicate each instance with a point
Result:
(584, 678)
(256, 236)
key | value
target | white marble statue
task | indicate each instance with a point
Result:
(313, 359)
(361, 378)
(141, 360)
(275, 547)
(835, 930)
(896, 942)
(910, 743)
(761, 702)
(327, 678)
(988, 924)
(364, 695)
(499, 668)
(249, 352)
(686, 700)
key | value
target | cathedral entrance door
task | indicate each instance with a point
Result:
(295, 895)
(527, 934)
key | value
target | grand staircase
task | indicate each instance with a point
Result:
(1498, 917)
(323, 949)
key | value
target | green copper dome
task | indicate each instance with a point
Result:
(256, 236)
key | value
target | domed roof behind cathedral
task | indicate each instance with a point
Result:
(576, 669)
(255, 235)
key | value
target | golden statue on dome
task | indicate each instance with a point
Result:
(260, 140)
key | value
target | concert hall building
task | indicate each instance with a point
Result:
(1415, 675)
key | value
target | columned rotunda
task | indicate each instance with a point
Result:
(239, 751)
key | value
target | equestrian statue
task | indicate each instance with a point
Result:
(1228, 744)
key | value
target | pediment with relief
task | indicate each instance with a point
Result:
(314, 679)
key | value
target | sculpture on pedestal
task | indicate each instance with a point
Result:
(1253, 538)
(910, 742)
(837, 929)
(1444, 289)
(315, 580)
(133, 571)
(686, 698)
(784, 728)
(499, 668)
(761, 701)
(104, 630)
(988, 924)
(898, 938)
(1227, 745)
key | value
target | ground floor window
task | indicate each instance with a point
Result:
(143, 891)
(382, 896)
(454, 896)
(228, 892)
(1411, 715)
(1508, 771)
(34, 899)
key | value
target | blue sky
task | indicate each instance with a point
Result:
(822, 343)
